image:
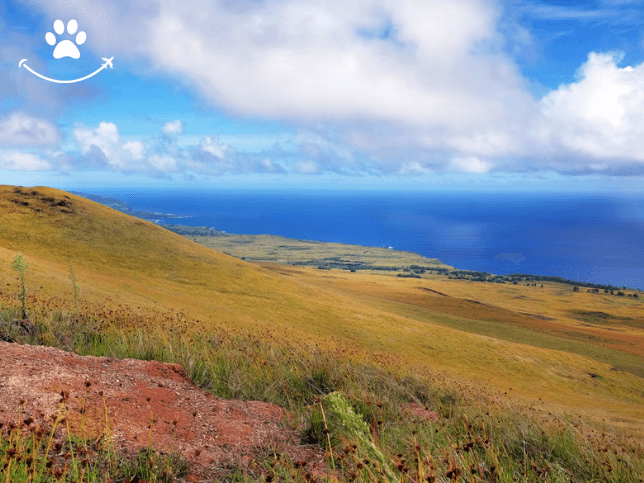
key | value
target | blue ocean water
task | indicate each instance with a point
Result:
(578, 237)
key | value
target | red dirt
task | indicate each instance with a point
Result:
(420, 411)
(212, 433)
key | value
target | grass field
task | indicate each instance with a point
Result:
(271, 248)
(517, 359)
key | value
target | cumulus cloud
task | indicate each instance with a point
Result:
(470, 164)
(102, 147)
(136, 149)
(414, 65)
(599, 117)
(311, 62)
(21, 161)
(165, 164)
(413, 167)
(173, 128)
(20, 129)
(213, 147)
(266, 165)
(414, 86)
(212, 157)
(306, 167)
(104, 139)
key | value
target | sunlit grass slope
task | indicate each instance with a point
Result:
(126, 257)
(462, 328)
(137, 263)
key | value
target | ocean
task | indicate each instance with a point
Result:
(594, 239)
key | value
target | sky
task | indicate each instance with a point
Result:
(369, 94)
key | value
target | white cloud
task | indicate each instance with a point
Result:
(173, 127)
(309, 62)
(212, 146)
(103, 146)
(470, 164)
(413, 167)
(136, 149)
(324, 60)
(20, 129)
(165, 164)
(105, 137)
(266, 165)
(20, 161)
(599, 117)
(435, 92)
(306, 167)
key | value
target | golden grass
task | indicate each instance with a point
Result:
(138, 264)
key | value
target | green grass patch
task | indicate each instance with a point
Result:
(503, 331)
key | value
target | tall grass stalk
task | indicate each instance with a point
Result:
(75, 287)
(20, 266)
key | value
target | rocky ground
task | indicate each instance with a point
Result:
(213, 434)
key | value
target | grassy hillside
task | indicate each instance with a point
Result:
(531, 350)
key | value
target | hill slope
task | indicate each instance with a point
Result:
(140, 264)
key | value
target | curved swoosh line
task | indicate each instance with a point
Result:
(62, 81)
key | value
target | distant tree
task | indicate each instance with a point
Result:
(621, 294)
(541, 285)
(635, 296)
(575, 289)
(514, 282)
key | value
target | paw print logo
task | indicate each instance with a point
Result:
(66, 48)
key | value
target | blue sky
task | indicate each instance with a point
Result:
(375, 94)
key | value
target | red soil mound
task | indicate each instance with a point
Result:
(212, 433)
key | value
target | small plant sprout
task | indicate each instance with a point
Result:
(20, 266)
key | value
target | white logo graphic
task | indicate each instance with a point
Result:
(67, 48)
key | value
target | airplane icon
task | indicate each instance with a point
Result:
(108, 62)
